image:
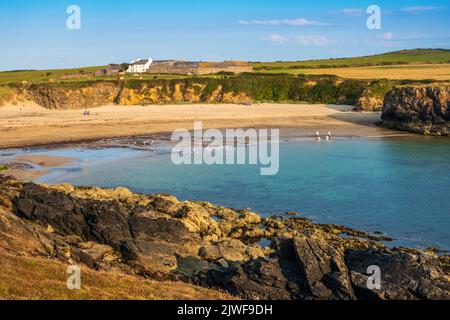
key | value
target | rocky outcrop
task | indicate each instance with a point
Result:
(159, 237)
(372, 98)
(424, 110)
(63, 97)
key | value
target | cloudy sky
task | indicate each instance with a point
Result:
(35, 35)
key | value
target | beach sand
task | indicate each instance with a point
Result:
(28, 124)
(32, 167)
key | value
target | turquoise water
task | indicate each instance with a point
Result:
(398, 187)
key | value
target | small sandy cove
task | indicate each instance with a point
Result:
(20, 166)
(28, 124)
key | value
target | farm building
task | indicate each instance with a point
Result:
(139, 66)
(198, 68)
(113, 69)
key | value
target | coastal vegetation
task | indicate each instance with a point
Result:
(45, 279)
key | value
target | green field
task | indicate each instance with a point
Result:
(10, 77)
(417, 56)
(416, 64)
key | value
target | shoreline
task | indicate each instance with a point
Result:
(34, 166)
(51, 166)
(212, 246)
(34, 126)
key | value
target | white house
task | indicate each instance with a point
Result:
(139, 65)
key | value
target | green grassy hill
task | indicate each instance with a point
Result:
(391, 58)
(9, 77)
(406, 64)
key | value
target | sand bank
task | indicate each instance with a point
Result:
(32, 167)
(30, 125)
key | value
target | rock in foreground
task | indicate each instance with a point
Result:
(160, 238)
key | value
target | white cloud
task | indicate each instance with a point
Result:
(299, 22)
(276, 38)
(302, 22)
(420, 9)
(264, 22)
(350, 11)
(319, 41)
(309, 40)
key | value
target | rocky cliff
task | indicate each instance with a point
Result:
(64, 97)
(221, 89)
(424, 110)
(372, 98)
(159, 237)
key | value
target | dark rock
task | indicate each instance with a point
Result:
(422, 110)
(157, 237)
(324, 268)
(404, 276)
(276, 278)
(144, 226)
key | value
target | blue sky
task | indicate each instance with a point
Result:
(35, 36)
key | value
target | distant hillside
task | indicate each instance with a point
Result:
(416, 56)
(418, 64)
(8, 77)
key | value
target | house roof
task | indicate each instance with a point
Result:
(142, 61)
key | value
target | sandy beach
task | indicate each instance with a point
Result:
(28, 124)
(32, 167)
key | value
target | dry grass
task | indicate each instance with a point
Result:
(24, 278)
(400, 72)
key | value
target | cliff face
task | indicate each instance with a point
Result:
(159, 237)
(223, 89)
(179, 93)
(372, 98)
(63, 97)
(422, 110)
